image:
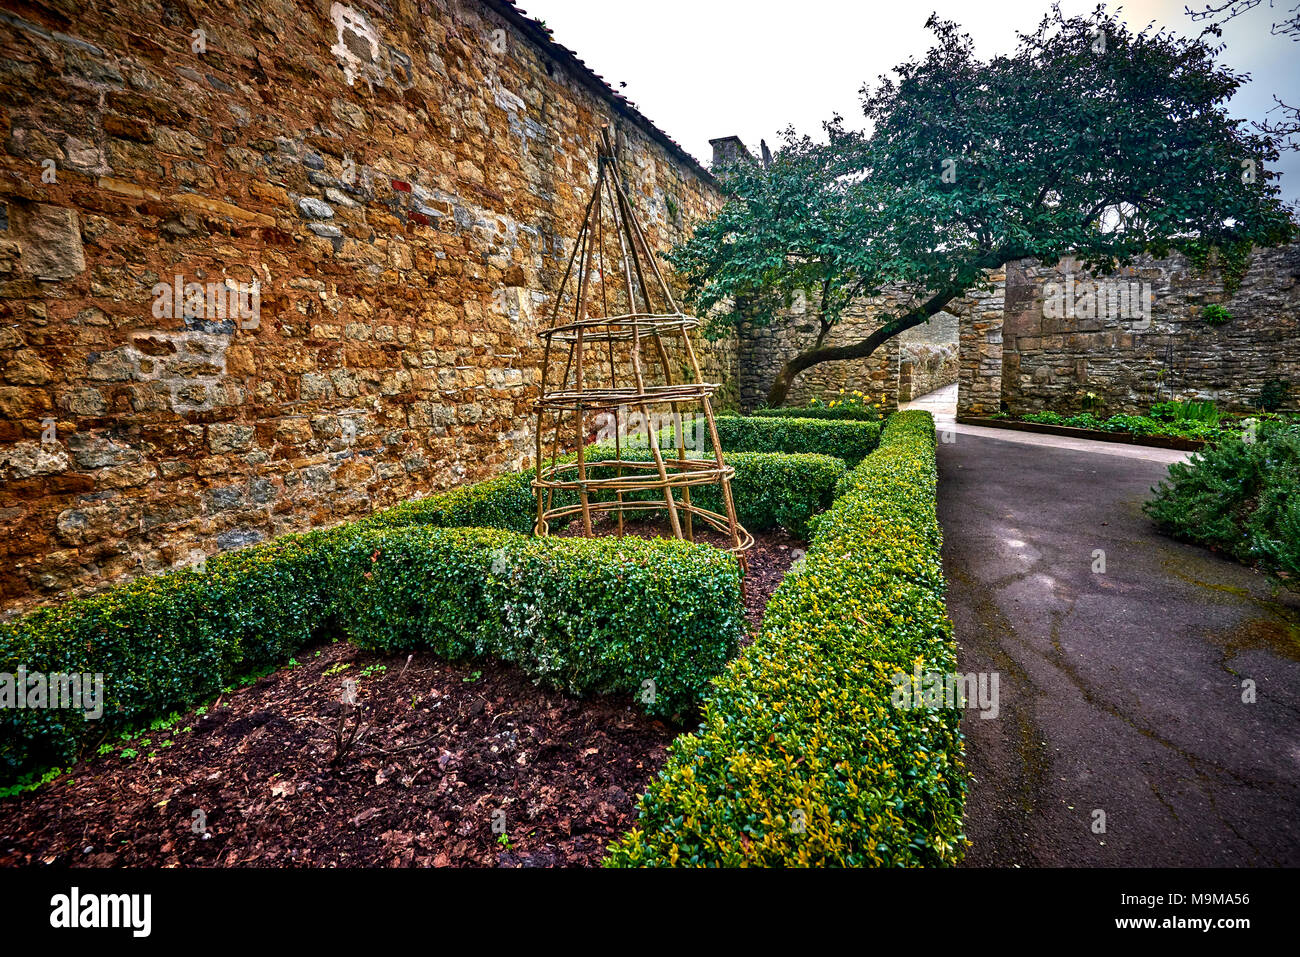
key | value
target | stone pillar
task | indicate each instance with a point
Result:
(979, 389)
(728, 150)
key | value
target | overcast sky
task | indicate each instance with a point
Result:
(701, 69)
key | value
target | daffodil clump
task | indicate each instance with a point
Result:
(845, 405)
(801, 759)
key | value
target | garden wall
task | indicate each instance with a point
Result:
(924, 367)
(764, 349)
(1036, 357)
(378, 199)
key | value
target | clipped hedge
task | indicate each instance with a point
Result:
(167, 642)
(163, 642)
(505, 502)
(800, 728)
(849, 441)
(842, 411)
(588, 616)
(769, 489)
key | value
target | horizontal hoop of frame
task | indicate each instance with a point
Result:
(589, 399)
(717, 522)
(679, 473)
(621, 328)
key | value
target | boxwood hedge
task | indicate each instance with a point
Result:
(801, 758)
(856, 411)
(850, 441)
(169, 641)
(589, 616)
(163, 642)
(769, 489)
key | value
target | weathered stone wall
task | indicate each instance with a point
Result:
(764, 349)
(940, 329)
(924, 367)
(979, 382)
(403, 181)
(1052, 363)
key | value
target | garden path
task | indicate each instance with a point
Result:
(1120, 691)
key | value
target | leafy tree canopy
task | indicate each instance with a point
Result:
(1090, 139)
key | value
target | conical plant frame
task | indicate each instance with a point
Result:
(607, 374)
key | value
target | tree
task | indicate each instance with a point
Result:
(781, 234)
(1090, 140)
(1287, 127)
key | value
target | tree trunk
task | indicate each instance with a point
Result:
(858, 350)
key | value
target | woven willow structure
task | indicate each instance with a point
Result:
(621, 317)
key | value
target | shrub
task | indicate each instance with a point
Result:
(1272, 394)
(505, 502)
(850, 441)
(163, 642)
(853, 407)
(1240, 496)
(1165, 424)
(589, 616)
(1188, 410)
(768, 490)
(169, 641)
(772, 488)
(801, 725)
(1215, 314)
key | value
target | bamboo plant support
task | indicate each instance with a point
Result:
(636, 308)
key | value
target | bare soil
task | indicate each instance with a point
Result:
(465, 764)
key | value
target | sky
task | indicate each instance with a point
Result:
(700, 69)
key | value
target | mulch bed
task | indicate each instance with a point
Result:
(447, 752)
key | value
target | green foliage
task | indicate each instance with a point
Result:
(780, 234)
(772, 488)
(801, 758)
(589, 616)
(506, 502)
(1232, 260)
(1215, 315)
(847, 440)
(853, 406)
(167, 642)
(1186, 428)
(1272, 394)
(768, 490)
(163, 642)
(1241, 496)
(1090, 139)
(1188, 410)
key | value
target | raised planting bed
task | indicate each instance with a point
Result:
(443, 725)
(1097, 435)
(443, 747)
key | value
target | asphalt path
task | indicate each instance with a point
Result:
(1121, 677)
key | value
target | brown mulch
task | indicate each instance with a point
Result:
(447, 751)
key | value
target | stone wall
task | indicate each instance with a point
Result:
(1171, 351)
(979, 382)
(375, 201)
(764, 349)
(924, 367)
